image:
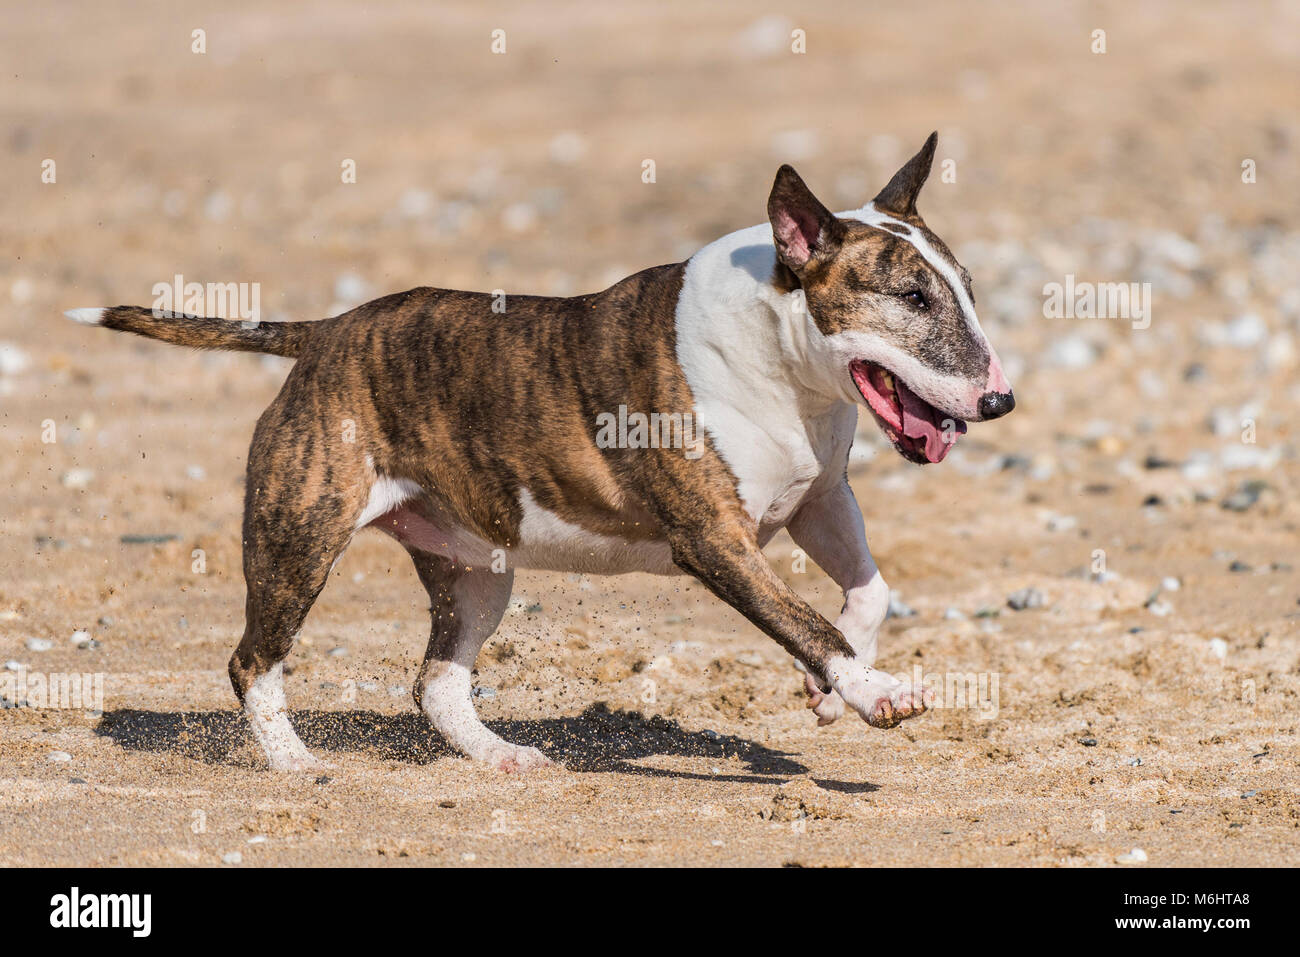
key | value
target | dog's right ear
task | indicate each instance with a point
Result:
(899, 196)
(803, 229)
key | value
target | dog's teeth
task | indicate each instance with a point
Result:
(888, 380)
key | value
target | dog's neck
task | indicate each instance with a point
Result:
(740, 305)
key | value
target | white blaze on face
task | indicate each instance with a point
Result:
(996, 380)
(874, 217)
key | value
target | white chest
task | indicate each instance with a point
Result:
(779, 459)
(744, 349)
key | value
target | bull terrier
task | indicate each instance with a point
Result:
(469, 434)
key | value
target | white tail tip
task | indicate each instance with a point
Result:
(87, 317)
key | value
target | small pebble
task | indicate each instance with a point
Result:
(1219, 648)
(567, 147)
(414, 204)
(338, 652)
(953, 614)
(234, 857)
(1134, 762)
(1135, 856)
(351, 288)
(483, 691)
(1071, 352)
(77, 478)
(899, 608)
(1061, 523)
(1169, 583)
(60, 756)
(1088, 742)
(12, 665)
(13, 360)
(259, 839)
(1239, 566)
(323, 779)
(39, 644)
(1246, 495)
(1026, 598)
(1160, 608)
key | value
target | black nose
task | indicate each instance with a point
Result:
(994, 405)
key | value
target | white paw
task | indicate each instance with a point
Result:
(827, 705)
(296, 760)
(902, 703)
(514, 758)
(881, 699)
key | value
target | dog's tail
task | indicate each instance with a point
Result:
(274, 338)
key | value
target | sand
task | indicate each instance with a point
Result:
(1126, 714)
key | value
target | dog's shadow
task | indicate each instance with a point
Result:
(598, 739)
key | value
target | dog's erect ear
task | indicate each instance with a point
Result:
(802, 227)
(899, 197)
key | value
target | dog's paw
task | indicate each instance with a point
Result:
(903, 703)
(516, 759)
(297, 760)
(882, 700)
(827, 705)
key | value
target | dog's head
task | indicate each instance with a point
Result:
(893, 308)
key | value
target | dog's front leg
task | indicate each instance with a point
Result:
(830, 531)
(724, 555)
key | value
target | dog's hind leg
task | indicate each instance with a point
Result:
(466, 605)
(301, 501)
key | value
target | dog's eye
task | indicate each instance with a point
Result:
(916, 299)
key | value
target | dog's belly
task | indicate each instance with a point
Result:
(546, 541)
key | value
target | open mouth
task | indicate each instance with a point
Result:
(919, 431)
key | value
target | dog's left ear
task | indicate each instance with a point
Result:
(899, 197)
(803, 229)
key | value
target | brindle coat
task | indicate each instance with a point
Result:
(473, 406)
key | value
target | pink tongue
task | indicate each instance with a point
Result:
(922, 421)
